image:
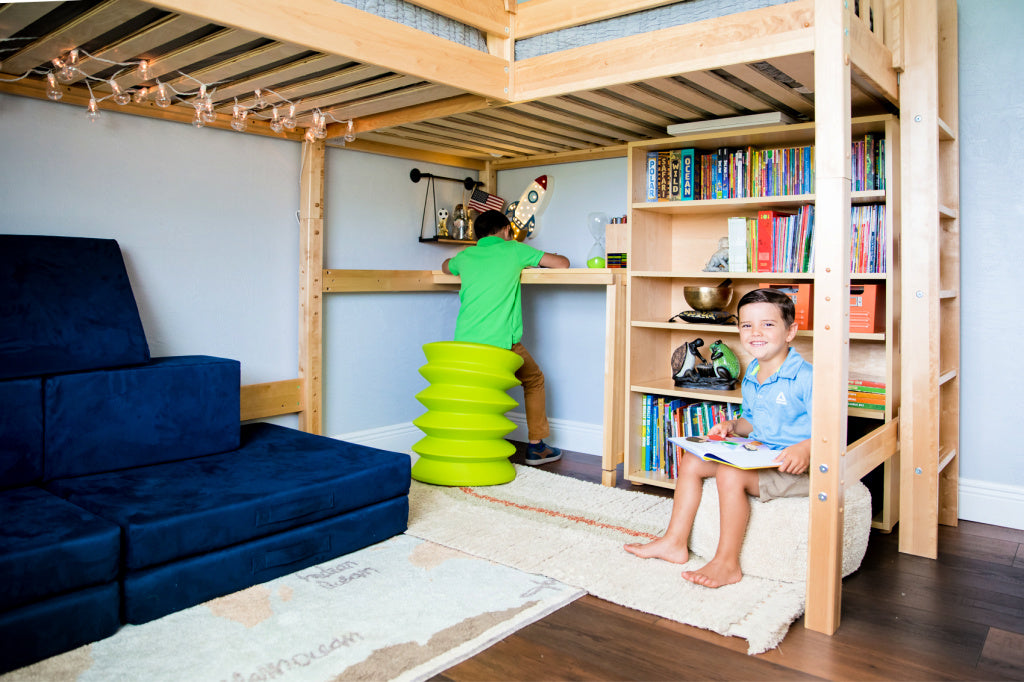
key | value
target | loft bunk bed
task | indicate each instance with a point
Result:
(489, 85)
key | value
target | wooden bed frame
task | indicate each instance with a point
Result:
(417, 96)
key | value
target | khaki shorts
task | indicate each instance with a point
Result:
(772, 484)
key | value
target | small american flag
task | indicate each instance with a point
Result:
(481, 201)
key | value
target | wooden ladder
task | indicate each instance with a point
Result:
(930, 299)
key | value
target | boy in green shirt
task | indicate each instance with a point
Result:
(490, 311)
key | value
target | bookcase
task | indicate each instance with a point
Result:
(670, 243)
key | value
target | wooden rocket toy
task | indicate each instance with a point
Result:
(523, 213)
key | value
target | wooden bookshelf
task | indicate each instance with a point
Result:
(670, 242)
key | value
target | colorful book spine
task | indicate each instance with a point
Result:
(652, 176)
(687, 179)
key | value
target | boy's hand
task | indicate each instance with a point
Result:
(796, 458)
(722, 429)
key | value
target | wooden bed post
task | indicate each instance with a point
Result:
(831, 323)
(311, 267)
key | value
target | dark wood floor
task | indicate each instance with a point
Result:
(903, 617)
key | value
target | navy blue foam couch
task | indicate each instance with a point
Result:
(128, 489)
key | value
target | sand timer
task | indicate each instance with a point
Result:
(596, 223)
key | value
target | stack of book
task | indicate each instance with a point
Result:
(866, 394)
(662, 418)
(783, 241)
(745, 172)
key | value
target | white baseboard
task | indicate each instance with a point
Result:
(565, 434)
(992, 503)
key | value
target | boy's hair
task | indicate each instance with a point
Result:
(489, 222)
(780, 300)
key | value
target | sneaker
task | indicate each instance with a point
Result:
(542, 453)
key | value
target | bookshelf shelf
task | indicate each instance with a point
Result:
(670, 243)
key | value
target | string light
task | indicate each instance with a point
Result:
(65, 70)
(53, 90)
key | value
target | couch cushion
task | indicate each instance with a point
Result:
(66, 304)
(155, 592)
(49, 546)
(21, 432)
(278, 479)
(56, 625)
(168, 409)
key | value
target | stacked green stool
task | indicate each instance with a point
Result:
(465, 421)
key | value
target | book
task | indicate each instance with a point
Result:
(652, 176)
(687, 177)
(766, 241)
(737, 244)
(742, 453)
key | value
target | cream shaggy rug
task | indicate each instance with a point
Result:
(403, 609)
(573, 531)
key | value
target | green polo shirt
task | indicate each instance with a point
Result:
(490, 303)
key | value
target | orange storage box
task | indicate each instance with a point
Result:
(867, 314)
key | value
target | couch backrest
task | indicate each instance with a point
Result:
(66, 304)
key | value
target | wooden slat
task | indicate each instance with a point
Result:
(871, 57)
(543, 16)
(225, 71)
(440, 156)
(736, 38)
(419, 112)
(489, 16)
(259, 401)
(85, 27)
(576, 276)
(334, 28)
(868, 452)
(356, 281)
(778, 92)
(595, 154)
(482, 129)
(658, 98)
(616, 330)
(727, 91)
(412, 95)
(682, 89)
(555, 110)
(154, 35)
(16, 16)
(311, 265)
(920, 329)
(618, 106)
(580, 104)
(389, 140)
(831, 308)
(504, 125)
(519, 117)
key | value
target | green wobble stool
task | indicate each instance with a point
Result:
(465, 421)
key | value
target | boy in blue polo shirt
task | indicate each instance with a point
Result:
(491, 312)
(777, 411)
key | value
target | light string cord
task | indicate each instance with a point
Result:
(201, 98)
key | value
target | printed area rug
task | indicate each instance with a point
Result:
(404, 609)
(573, 531)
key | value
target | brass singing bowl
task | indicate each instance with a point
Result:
(708, 298)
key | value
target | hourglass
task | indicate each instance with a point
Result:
(596, 223)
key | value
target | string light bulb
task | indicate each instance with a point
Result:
(289, 122)
(198, 120)
(93, 111)
(68, 69)
(238, 118)
(163, 96)
(53, 90)
(139, 96)
(261, 101)
(144, 69)
(275, 121)
(350, 135)
(120, 96)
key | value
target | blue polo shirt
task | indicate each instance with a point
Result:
(779, 408)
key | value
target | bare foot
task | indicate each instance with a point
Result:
(714, 574)
(662, 548)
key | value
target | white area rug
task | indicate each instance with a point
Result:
(573, 531)
(404, 609)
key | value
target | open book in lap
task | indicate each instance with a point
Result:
(742, 453)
